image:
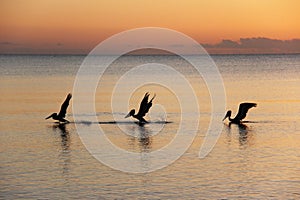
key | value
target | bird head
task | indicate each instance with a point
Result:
(131, 113)
(52, 115)
(228, 114)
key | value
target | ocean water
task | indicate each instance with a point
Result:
(41, 159)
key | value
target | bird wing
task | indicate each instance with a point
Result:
(243, 109)
(149, 105)
(64, 106)
(145, 105)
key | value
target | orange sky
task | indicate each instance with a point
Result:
(62, 26)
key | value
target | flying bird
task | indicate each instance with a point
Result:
(63, 110)
(144, 108)
(243, 109)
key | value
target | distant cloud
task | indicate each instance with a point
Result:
(176, 45)
(255, 45)
(6, 43)
(223, 44)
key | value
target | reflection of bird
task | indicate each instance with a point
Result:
(243, 109)
(62, 113)
(144, 108)
(63, 130)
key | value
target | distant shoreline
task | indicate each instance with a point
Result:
(213, 54)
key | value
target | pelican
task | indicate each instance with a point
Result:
(243, 109)
(62, 113)
(144, 108)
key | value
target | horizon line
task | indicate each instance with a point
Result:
(80, 54)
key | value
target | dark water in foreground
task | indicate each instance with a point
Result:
(41, 159)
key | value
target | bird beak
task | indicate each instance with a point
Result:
(224, 118)
(128, 115)
(48, 117)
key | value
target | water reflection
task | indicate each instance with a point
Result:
(243, 134)
(65, 136)
(145, 140)
(64, 154)
(243, 130)
(141, 138)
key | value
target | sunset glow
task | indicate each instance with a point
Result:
(77, 26)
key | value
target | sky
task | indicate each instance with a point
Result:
(77, 26)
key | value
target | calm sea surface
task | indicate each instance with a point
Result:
(40, 159)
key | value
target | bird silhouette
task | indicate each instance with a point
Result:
(144, 108)
(63, 110)
(243, 109)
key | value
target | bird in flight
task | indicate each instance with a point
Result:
(243, 109)
(63, 110)
(144, 108)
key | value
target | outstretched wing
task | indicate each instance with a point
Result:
(145, 105)
(149, 105)
(64, 106)
(243, 109)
